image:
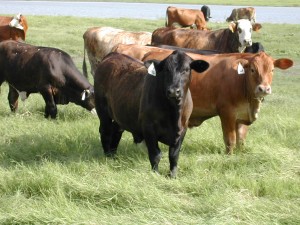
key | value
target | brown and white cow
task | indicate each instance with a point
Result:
(154, 104)
(13, 28)
(48, 71)
(233, 39)
(185, 18)
(242, 13)
(232, 88)
(99, 41)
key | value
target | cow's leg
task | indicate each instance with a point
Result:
(13, 96)
(174, 155)
(241, 133)
(116, 136)
(229, 131)
(106, 131)
(50, 109)
(151, 141)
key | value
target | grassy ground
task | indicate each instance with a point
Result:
(54, 171)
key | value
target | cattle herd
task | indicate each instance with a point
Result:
(154, 85)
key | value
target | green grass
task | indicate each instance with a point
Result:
(55, 172)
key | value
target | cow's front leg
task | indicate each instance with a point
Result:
(151, 141)
(229, 131)
(13, 96)
(241, 133)
(174, 155)
(106, 130)
(50, 108)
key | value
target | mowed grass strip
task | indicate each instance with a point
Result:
(55, 172)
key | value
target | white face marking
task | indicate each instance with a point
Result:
(244, 29)
(15, 22)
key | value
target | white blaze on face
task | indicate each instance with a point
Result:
(15, 22)
(244, 29)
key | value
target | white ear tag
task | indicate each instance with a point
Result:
(151, 70)
(83, 96)
(240, 69)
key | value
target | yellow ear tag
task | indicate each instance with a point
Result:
(151, 70)
(240, 69)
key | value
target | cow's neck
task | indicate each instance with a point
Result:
(254, 102)
(228, 41)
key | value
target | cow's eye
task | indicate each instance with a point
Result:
(239, 30)
(252, 70)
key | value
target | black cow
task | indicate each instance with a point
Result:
(256, 47)
(50, 71)
(206, 12)
(153, 107)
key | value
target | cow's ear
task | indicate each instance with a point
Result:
(232, 26)
(240, 66)
(256, 26)
(152, 66)
(283, 63)
(199, 65)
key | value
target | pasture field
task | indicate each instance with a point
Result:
(55, 172)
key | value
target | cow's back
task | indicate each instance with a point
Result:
(118, 86)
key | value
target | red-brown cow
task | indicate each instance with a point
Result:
(13, 28)
(232, 88)
(242, 13)
(153, 105)
(185, 18)
(233, 39)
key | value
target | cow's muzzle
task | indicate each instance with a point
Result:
(247, 42)
(174, 93)
(263, 90)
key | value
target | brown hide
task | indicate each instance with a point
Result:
(242, 13)
(185, 17)
(12, 33)
(222, 40)
(221, 91)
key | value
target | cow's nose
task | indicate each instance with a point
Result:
(248, 42)
(174, 93)
(266, 90)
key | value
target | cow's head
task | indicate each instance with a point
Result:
(259, 73)
(88, 100)
(243, 28)
(17, 22)
(174, 74)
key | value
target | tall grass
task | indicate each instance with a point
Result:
(55, 172)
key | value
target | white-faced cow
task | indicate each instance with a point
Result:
(233, 39)
(232, 88)
(99, 41)
(13, 28)
(185, 18)
(153, 105)
(48, 71)
(242, 13)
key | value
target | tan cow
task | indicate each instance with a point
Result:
(185, 18)
(242, 13)
(99, 41)
(232, 88)
(13, 28)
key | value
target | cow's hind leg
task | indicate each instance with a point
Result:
(13, 96)
(174, 155)
(116, 137)
(50, 109)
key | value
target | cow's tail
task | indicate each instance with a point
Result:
(84, 68)
(166, 23)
